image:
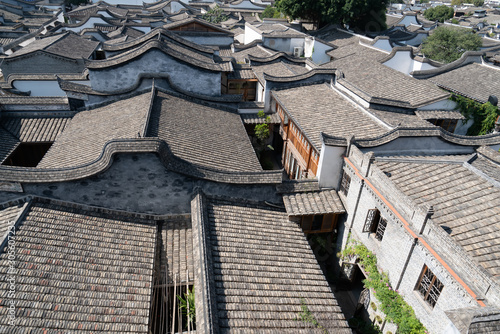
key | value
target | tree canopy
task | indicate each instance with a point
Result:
(365, 15)
(270, 12)
(447, 44)
(215, 15)
(439, 13)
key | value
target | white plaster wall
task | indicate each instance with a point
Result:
(319, 55)
(176, 6)
(440, 105)
(104, 13)
(246, 5)
(401, 62)
(462, 128)
(383, 44)
(42, 88)
(155, 61)
(260, 94)
(419, 66)
(143, 29)
(295, 42)
(210, 40)
(409, 20)
(251, 35)
(330, 166)
(240, 38)
(416, 41)
(308, 46)
(89, 24)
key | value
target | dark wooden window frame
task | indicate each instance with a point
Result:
(375, 223)
(345, 183)
(429, 286)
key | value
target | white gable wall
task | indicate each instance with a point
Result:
(251, 35)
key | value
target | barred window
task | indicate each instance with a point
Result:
(375, 223)
(429, 286)
(345, 183)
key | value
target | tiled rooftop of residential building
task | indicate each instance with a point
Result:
(473, 80)
(86, 134)
(202, 135)
(67, 45)
(465, 203)
(80, 270)
(318, 108)
(313, 203)
(263, 268)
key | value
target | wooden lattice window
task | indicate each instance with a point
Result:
(374, 223)
(429, 286)
(345, 183)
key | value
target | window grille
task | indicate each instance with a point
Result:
(429, 286)
(345, 183)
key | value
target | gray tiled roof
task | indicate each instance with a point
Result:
(7, 143)
(67, 45)
(313, 203)
(176, 252)
(79, 270)
(396, 119)
(377, 83)
(9, 216)
(318, 108)
(240, 53)
(439, 114)
(278, 69)
(255, 119)
(84, 138)
(465, 203)
(262, 267)
(473, 80)
(43, 129)
(475, 320)
(202, 135)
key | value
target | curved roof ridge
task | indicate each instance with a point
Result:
(151, 44)
(137, 145)
(276, 56)
(296, 77)
(84, 89)
(466, 58)
(489, 139)
(156, 34)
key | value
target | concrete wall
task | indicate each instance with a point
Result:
(124, 77)
(41, 63)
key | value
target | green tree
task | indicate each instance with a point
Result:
(215, 15)
(478, 3)
(439, 13)
(447, 44)
(365, 15)
(457, 2)
(271, 12)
